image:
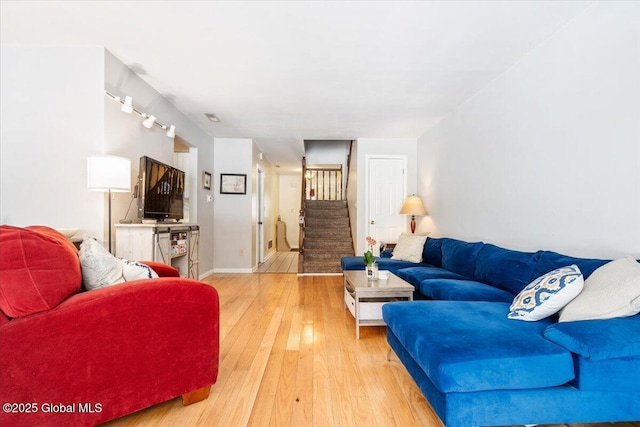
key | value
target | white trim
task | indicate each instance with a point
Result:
(205, 275)
(271, 253)
(318, 274)
(234, 270)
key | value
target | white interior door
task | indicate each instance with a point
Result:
(386, 193)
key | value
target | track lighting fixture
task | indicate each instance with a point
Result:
(149, 119)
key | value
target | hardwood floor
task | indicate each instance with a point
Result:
(280, 262)
(289, 357)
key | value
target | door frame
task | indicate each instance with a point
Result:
(260, 217)
(368, 158)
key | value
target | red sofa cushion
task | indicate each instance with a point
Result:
(162, 270)
(54, 234)
(38, 270)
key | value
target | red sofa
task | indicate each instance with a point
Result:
(82, 358)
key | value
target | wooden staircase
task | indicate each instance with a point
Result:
(327, 236)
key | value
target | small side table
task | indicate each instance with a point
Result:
(387, 245)
(364, 298)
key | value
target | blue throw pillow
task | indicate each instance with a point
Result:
(547, 295)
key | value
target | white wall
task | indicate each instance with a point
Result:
(548, 155)
(289, 206)
(236, 215)
(55, 115)
(125, 136)
(271, 191)
(352, 193)
(328, 152)
(233, 213)
(52, 115)
(367, 147)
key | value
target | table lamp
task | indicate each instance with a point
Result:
(413, 206)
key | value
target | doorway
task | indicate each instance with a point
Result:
(260, 216)
(386, 191)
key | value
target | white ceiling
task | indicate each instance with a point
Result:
(281, 72)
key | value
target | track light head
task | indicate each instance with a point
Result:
(171, 133)
(148, 123)
(127, 105)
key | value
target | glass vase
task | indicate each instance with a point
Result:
(372, 271)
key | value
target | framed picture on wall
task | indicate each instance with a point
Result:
(233, 183)
(206, 180)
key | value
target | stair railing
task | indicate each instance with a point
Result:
(324, 183)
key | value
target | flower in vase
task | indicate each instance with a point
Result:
(368, 255)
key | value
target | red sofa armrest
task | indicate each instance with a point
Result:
(162, 270)
(125, 347)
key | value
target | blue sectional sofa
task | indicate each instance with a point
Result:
(479, 368)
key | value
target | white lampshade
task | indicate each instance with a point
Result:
(413, 206)
(106, 173)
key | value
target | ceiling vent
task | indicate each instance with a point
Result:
(212, 117)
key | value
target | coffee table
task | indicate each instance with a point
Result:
(364, 298)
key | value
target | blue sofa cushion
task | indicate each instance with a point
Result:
(598, 339)
(460, 257)
(549, 261)
(415, 275)
(462, 290)
(357, 263)
(619, 374)
(432, 253)
(508, 270)
(468, 346)
(387, 253)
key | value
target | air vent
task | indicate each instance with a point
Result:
(212, 117)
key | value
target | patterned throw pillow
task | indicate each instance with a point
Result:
(101, 269)
(132, 270)
(547, 295)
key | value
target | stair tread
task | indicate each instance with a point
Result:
(327, 236)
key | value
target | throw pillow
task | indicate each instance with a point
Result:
(99, 267)
(132, 270)
(547, 294)
(409, 247)
(37, 271)
(613, 290)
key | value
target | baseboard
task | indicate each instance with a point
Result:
(319, 274)
(205, 275)
(233, 270)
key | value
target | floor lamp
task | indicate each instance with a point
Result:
(107, 174)
(413, 206)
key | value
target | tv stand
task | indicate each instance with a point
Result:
(174, 244)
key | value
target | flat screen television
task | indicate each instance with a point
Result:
(161, 191)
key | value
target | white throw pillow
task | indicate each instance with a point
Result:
(613, 290)
(547, 294)
(99, 267)
(409, 247)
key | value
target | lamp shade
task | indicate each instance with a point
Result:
(109, 173)
(413, 206)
